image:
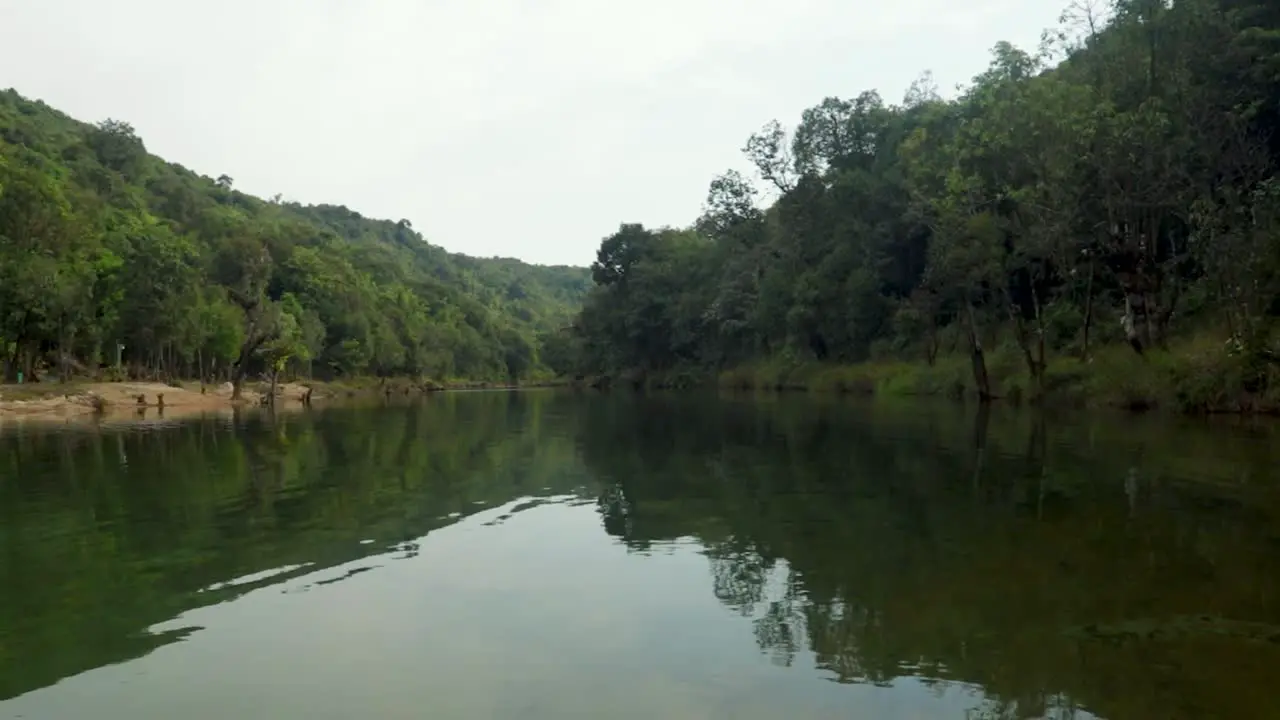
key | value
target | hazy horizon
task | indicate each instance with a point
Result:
(497, 130)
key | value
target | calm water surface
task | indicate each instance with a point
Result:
(552, 555)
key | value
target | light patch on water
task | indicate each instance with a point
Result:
(255, 577)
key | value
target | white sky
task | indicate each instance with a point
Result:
(523, 128)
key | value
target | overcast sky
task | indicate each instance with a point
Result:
(524, 128)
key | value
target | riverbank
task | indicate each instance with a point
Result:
(55, 401)
(355, 387)
(1193, 376)
(52, 401)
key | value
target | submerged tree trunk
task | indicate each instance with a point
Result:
(981, 423)
(1037, 458)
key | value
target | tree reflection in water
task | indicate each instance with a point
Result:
(987, 548)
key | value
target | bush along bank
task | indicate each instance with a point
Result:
(1200, 375)
(1194, 377)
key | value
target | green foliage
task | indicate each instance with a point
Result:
(1109, 191)
(103, 245)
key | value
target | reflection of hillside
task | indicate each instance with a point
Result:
(1003, 552)
(103, 535)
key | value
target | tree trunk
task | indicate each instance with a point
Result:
(980, 377)
(931, 339)
(14, 361)
(62, 351)
(28, 363)
(1130, 324)
(1088, 312)
(1165, 318)
(1037, 457)
(1035, 367)
(1148, 325)
(1041, 363)
(240, 368)
(237, 380)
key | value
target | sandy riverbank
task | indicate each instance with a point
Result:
(53, 402)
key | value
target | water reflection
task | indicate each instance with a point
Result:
(108, 531)
(1114, 568)
(1014, 565)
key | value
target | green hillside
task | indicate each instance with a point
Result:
(103, 245)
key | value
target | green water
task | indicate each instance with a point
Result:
(556, 555)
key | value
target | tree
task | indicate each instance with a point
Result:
(518, 355)
(619, 253)
(768, 151)
(244, 267)
(730, 208)
(46, 266)
(119, 148)
(288, 342)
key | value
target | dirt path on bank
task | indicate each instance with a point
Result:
(53, 401)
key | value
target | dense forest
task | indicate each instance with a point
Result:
(1111, 191)
(116, 263)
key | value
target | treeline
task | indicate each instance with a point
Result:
(1113, 187)
(114, 262)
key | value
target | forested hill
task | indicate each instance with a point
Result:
(103, 244)
(1113, 188)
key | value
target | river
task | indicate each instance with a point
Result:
(551, 554)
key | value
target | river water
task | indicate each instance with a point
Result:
(556, 555)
